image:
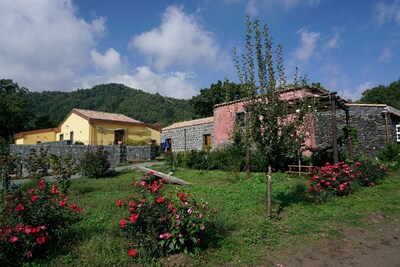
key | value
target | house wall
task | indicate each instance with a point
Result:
(103, 134)
(35, 137)
(224, 120)
(79, 126)
(369, 122)
(155, 135)
(188, 138)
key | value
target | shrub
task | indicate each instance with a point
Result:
(390, 153)
(8, 166)
(31, 220)
(63, 169)
(341, 179)
(95, 164)
(37, 163)
(158, 224)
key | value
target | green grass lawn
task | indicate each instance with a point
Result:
(246, 234)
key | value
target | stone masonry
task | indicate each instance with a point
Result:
(188, 137)
(369, 121)
(116, 154)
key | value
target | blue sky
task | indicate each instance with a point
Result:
(176, 48)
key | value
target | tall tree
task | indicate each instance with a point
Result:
(14, 115)
(203, 104)
(276, 127)
(389, 95)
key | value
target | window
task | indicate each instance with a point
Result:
(398, 133)
(240, 118)
(206, 141)
(61, 137)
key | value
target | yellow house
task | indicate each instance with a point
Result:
(94, 128)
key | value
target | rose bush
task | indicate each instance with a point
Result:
(157, 224)
(341, 179)
(31, 219)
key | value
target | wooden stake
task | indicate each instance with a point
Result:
(269, 200)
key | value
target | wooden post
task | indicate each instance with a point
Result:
(269, 183)
(349, 140)
(386, 113)
(334, 128)
(184, 139)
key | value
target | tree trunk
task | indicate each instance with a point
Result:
(269, 190)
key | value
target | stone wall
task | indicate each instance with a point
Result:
(188, 138)
(116, 154)
(369, 122)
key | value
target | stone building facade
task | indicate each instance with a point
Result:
(370, 122)
(189, 135)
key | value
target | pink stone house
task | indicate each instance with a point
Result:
(226, 114)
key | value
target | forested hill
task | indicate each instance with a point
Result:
(49, 108)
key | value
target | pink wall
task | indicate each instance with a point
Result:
(224, 116)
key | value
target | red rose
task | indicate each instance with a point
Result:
(13, 239)
(20, 207)
(133, 217)
(160, 200)
(40, 240)
(34, 198)
(122, 223)
(132, 253)
(119, 203)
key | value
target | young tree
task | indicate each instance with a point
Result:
(277, 127)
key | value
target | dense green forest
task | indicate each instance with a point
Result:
(382, 94)
(51, 107)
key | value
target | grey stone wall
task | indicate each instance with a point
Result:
(188, 138)
(116, 154)
(369, 122)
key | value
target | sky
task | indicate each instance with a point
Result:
(176, 48)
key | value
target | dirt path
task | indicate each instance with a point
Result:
(367, 247)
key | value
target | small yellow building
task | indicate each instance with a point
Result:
(94, 128)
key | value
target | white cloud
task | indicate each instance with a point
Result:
(252, 8)
(386, 55)
(173, 84)
(180, 39)
(333, 41)
(387, 13)
(357, 93)
(308, 44)
(110, 62)
(44, 46)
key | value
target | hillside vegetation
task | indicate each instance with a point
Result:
(49, 108)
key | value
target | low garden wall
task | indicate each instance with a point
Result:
(116, 153)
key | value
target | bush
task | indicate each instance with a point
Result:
(157, 224)
(390, 153)
(33, 219)
(95, 164)
(341, 179)
(231, 159)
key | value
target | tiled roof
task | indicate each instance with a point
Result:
(189, 123)
(100, 115)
